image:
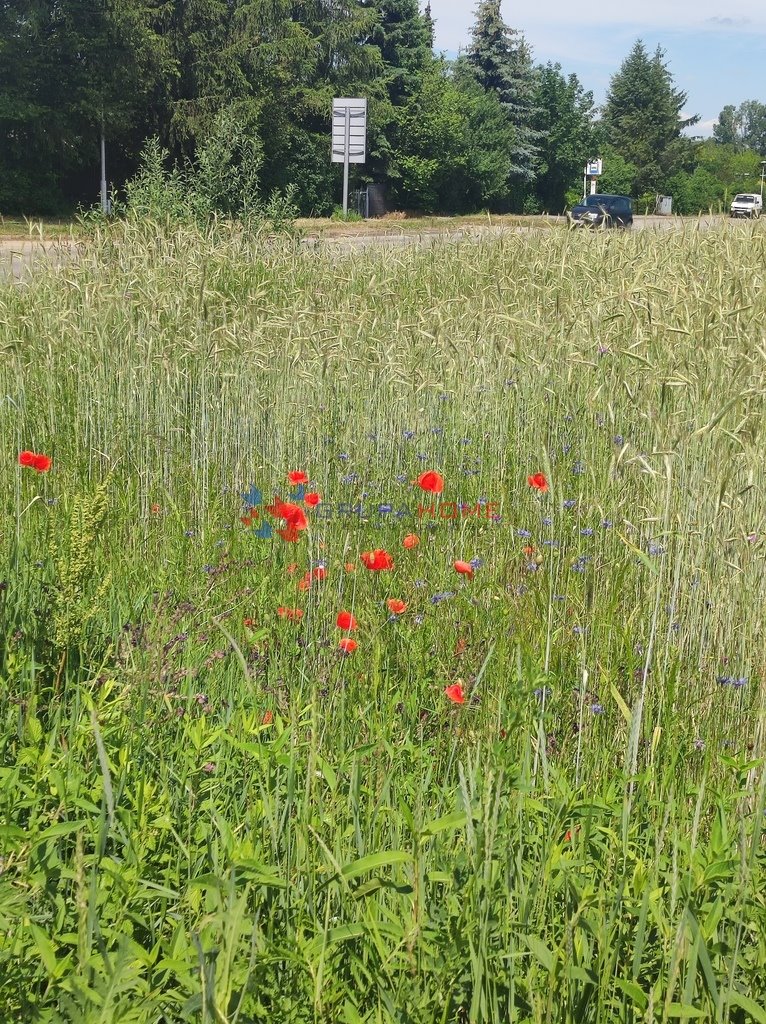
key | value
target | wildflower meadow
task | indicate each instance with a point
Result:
(381, 632)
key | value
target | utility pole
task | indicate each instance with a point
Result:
(763, 174)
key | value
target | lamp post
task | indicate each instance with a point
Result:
(763, 174)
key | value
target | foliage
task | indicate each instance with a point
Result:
(743, 127)
(456, 138)
(226, 818)
(501, 61)
(565, 125)
(642, 118)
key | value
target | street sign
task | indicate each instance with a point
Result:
(594, 168)
(349, 136)
(349, 131)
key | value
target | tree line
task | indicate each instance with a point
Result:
(237, 93)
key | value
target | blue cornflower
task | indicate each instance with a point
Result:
(523, 533)
(619, 440)
(350, 478)
(548, 543)
(739, 683)
(655, 549)
(422, 456)
(190, 533)
(531, 566)
(566, 449)
(444, 595)
(578, 630)
(569, 502)
(607, 524)
(384, 509)
(476, 563)
(597, 709)
(408, 434)
(418, 620)
(482, 501)
(725, 680)
(543, 692)
(465, 440)
(421, 583)
(578, 468)
(559, 597)
(699, 744)
(344, 456)
(547, 520)
(401, 478)
(437, 430)
(586, 532)
(444, 397)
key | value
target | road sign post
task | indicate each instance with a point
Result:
(349, 136)
(593, 169)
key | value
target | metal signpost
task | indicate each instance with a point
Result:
(349, 136)
(593, 169)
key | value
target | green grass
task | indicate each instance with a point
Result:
(208, 820)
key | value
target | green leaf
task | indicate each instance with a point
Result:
(749, 1006)
(373, 862)
(45, 948)
(682, 1010)
(449, 821)
(541, 952)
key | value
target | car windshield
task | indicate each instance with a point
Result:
(744, 199)
(606, 201)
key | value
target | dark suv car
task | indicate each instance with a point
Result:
(607, 211)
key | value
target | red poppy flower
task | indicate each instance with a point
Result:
(538, 482)
(297, 476)
(319, 572)
(42, 463)
(349, 567)
(290, 534)
(293, 515)
(292, 567)
(305, 583)
(455, 693)
(268, 718)
(347, 645)
(249, 622)
(377, 559)
(395, 606)
(312, 499)
(291, 614)
(431, 481)
(346, 620)
(465, 568)
(155, 509)
(411, 540)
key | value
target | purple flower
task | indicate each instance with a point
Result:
(597, 709)
(547, 520)
(208, 767)
(699, 744)
(570, 502)
(579, 468)
(619, 440)
(408, 434)
(445, 595)
(523, 533)
(607, 524)
(344, 456)
(586, 532)
(476, 563)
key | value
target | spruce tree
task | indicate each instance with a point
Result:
(501, 62)
(642, 117)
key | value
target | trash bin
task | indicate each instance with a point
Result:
(376, 200)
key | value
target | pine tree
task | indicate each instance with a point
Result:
(501, 62)
(642, 118)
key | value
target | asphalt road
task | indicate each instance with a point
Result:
(18, 256)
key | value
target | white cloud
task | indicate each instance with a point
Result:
(454, 18)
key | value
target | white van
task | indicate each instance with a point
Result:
(747, 204)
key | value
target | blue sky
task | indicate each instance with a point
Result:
(715, 51)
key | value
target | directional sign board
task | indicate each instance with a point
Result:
(349, 131)
(594, 168)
